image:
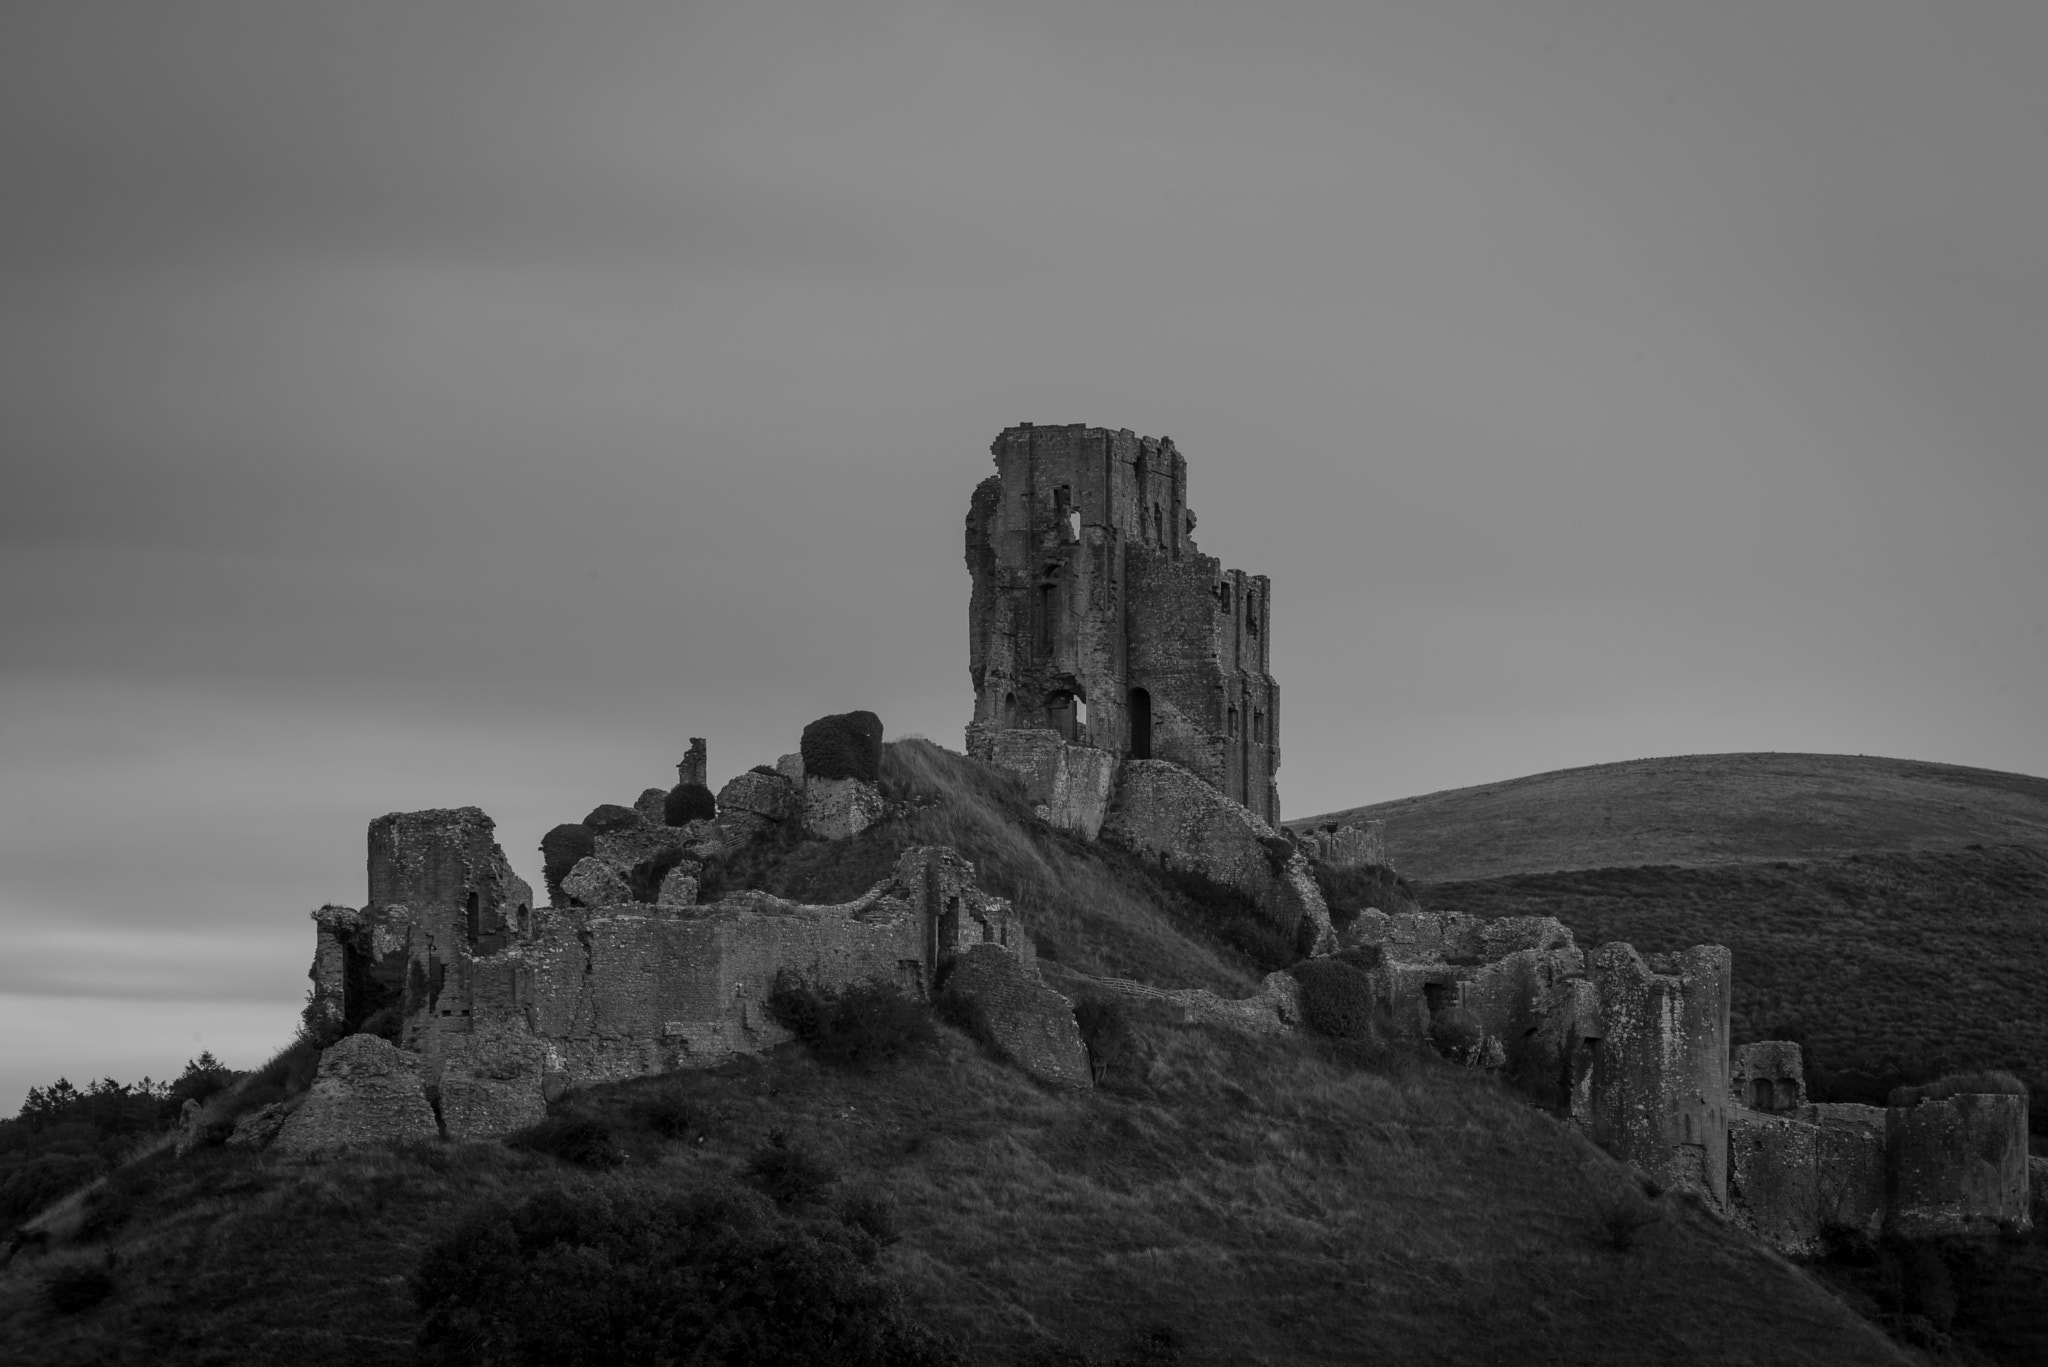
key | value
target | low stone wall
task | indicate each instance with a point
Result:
(1346, 847)
(1167, 814)
(1273, 1010)
(1070, 785)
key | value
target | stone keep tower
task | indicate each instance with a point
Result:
(1094, 615)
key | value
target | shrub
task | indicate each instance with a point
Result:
(1105, 1030)
(610, 816)
(1623, 1216)
(560, 849)
(26, 1189)
(1235, 919)
(788, 1174)
(871, 1215)
(571, 1139)
(1336, 999)
(69, 1290)
(1349, 891)
(863, 1025)
(966, 1014)
(848, 745)
(666, 1112)
(203, 1077)
(687, 802)
(707, 1277)
(1457, 1034)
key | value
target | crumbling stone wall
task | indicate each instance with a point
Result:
(1956, 1164)
(1070, 785)
(1028, 1022)
(1088, 589)
(1774, 1177)
(366, 1091)
(1768, 1076)
(1345, 847)
(1168, 814)
(1660, 1069)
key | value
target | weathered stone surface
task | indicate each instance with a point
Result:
(595, 883)
(651, 805)
(679, 886)
(1275, 1009)
(1168, 814)
(695, 765)
(1029, 1023)
(791, 767)
(1070, 784)
(765, 795)
(1659, 1091)
(367, 1091)
(257, 1128)
(335, 929)
(1094, 615)
(1850, 1158)
(1768, 1076)
(635, 845)
(1774, 1179)
(1956, 1165)
(479, 1107)
(1346, 847)
(835, 808)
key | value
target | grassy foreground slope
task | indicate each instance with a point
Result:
(1705, 809)
(1222, 1199)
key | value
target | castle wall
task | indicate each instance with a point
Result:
(1659, 1086)
(1956, 1164)
(1088, 585)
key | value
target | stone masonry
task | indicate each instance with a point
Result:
(1094, 616)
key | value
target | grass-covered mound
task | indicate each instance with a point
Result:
(1891, 968)
(1222, 1199)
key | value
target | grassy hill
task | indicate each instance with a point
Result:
(1705, 809)
(1221, 1199)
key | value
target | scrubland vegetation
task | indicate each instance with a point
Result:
(886, 1191)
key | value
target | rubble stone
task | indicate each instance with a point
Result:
(595, 883)
(1069, 784)
(835, 808)
(1029, 1023)
(256, 1129)
(679, 886)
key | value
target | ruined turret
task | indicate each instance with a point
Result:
(1095, 617)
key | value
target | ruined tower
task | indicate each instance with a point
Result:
(1095, 616)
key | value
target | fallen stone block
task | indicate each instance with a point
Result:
(679, 886)
(596, 883)
(1069, 784)
(366, 1091)
(257, 1128)
(1029, 1023)
(836, 808)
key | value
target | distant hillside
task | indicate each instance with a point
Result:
(1705, 809)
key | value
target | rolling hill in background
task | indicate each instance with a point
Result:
(1705, 809)
(1893, 914)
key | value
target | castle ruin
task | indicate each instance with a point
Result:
(1094, 615)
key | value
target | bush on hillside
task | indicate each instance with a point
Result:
(560, 851)
(687, 802)
(1236, 920)
(848, 745)
(27, 1187)
(706, 1277)
(572, 1139)
(787, 1173)
(77, 1287)
(1105, 1032)
(1458, 1035)
(610, 816)
(865, 1024)
(1347, 892)
(1336, 999)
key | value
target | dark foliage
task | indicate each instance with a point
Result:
(1457, 1034)
(848, 745)
(1336, 999)
(1279, 849)
(1106, 1032)
(666, 1112)
(706, 1278)
(610, 816)
(768, 769)
(871, 1215)
(862, 1025)
(687, 802)
(1624, 1216)
(560, 849)
(203, 1078)
(72, 1289)
(788, 1173)
(1347, 892)
(573, 1139)
(26, 1187)
(1980, 1298)
(966, 1014)
(1235, 919)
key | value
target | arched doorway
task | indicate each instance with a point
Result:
(1141, 724)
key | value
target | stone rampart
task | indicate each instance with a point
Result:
(366, 1091)
(1070, 785)
(1167, 814)
(1957, 1164)
(1346, 847)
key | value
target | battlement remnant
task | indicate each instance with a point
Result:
(1093, 614)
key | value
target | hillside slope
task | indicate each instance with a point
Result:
(1705, 809)
(1221, 1199)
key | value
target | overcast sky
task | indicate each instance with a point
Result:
(414, 405)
